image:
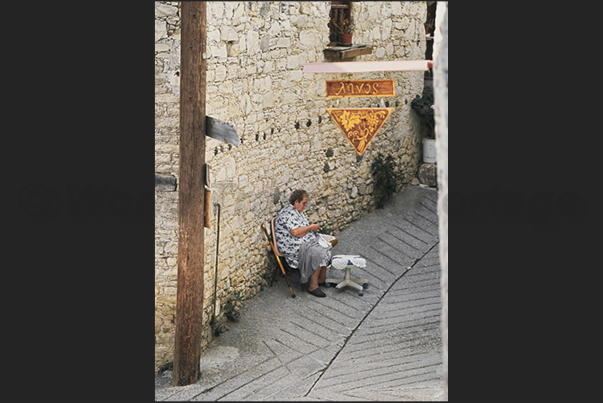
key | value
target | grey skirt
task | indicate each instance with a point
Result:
(312, 256)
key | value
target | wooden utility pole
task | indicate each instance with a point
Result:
(189, 296)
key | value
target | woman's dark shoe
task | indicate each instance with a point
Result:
(317, 292)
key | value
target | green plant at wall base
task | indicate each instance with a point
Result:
(423, 107)
(385, 178)
(168, 365)
(217, 327)
(233, 307)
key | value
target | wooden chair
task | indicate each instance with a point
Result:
(280, 258)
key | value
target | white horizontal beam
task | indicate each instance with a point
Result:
(367, 67)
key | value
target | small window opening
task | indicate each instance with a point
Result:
(340, 10)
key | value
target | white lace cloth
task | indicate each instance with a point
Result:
(340, 262)
(323, 241)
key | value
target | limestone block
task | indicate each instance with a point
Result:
(308, 38)
(253, 42)
(162, 10)
(302, 21)
(229, 8)
(216, 8)
(243, 43)
(293, 62)
(284, 43)
(231, 167)
(295, 75)
(389, 49)
(218, 51)
(163, 50)
(280, 64)
(268, 100)
(239, 10)
(305, 7)
(220, 72)
(228, 33)
(386, 28)
(264, 44)
(257, 99)
(160, 30)
(275, 28)
(375, 34)
(246, 103)
(268, 67)
(396, 8)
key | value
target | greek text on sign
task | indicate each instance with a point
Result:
(360, 88)
(360, 125)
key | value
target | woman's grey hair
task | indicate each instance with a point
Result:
(297, 195)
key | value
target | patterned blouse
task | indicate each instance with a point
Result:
(289, 218)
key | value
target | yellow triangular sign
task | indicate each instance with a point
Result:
(360, 125)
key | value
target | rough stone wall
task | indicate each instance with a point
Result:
(254, 80)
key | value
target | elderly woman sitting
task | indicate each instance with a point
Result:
(303, 247)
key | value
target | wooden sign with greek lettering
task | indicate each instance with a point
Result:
(360, 125)
(360, 88)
